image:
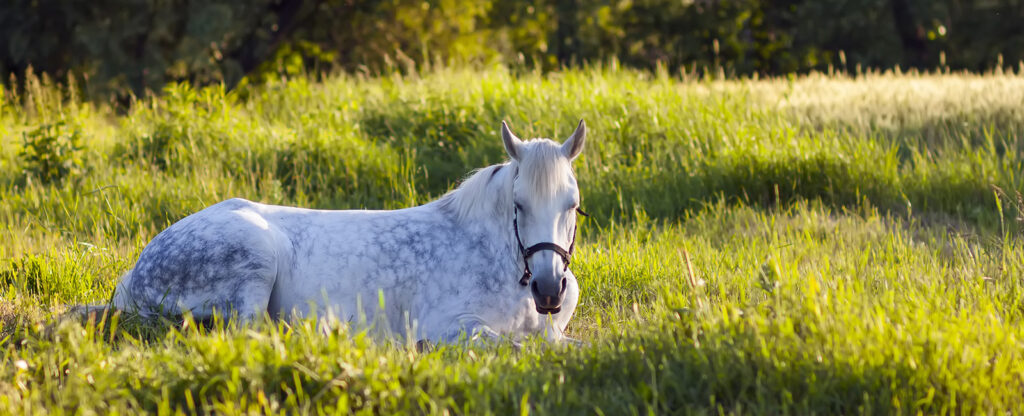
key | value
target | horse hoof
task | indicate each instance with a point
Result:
(424, 346)
(574, 342)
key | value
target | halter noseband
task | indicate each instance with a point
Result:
(527, 252)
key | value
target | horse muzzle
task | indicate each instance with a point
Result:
(547, 298)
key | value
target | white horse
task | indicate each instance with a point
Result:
(489, 258)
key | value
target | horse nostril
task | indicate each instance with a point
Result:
(534, 288)
(562, 290)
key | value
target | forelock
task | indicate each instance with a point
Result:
(544, 168)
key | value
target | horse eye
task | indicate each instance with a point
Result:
(519, 207)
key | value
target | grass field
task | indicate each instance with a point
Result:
(816, 244)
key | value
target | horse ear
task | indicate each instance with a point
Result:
(574, 144)
(512, 143)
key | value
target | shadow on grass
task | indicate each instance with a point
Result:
(447, 143)
(671, 193)
(677, 365)
(18, 327)
(673, 372)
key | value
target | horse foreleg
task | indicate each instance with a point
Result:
(555, 335)
(470, 331)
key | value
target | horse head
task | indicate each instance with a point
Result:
(546, 201)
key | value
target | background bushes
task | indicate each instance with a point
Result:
(132, 46)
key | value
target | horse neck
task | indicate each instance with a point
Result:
(492, 211)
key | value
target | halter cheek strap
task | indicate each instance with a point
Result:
(527, 252)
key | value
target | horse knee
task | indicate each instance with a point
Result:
(471, 332)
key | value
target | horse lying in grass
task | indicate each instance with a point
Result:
(490, 258)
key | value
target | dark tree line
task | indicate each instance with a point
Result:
(139, 45)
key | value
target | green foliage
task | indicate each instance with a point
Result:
(25, 274)
(129, 47)
(53, 151)
(810, 244)
(45, 279)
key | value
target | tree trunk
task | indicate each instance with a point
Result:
(915, 48)
(566, 46)
(252, 51)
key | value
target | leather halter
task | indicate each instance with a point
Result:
(527, 252)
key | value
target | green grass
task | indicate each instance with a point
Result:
(817, 244)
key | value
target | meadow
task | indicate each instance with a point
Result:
(825, 243)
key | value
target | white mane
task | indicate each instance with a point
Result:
(488, 191)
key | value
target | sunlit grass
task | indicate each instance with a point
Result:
(794, 245)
